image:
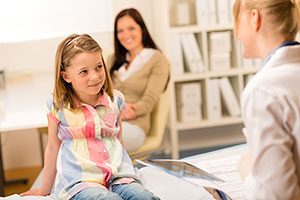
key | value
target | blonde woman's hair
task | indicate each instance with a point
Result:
(66, 51)
(284, 15)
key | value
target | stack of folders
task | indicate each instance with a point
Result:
(214, 109)
(221, 93)
(175, 55)
(189, 102)
(220, 50)
(213, 12)
(192, 54)
(230, 100)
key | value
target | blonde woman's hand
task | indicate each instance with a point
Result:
(34, 192)
(129, 112)
(245, 165)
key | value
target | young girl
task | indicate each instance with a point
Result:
(271, 100)
(84, 151)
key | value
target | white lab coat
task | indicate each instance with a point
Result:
(271, 114)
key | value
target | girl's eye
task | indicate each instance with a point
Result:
(99, 66)
(131, 28)
(119, 31)
(83, 72)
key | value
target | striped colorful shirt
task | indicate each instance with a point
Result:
(85, 158)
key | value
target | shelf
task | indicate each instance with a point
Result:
(250, 70)
(196, 28)
(212, 74)
(206, 124)
(189, 77)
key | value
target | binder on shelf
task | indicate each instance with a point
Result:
(220, 41)
(196, 51)
(214, 110)
(229, 98)
(213, 12)
(190, 112)
(183, 14)
(223, 12)
(191, 51)
(220, 61)
(247, 63)
(189, 92)
(202, 13)
(189, 101)
(175, 55)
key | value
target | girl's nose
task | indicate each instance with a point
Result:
(95, 75)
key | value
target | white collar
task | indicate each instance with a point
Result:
(138, 62)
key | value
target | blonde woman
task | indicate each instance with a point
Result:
(271, 100)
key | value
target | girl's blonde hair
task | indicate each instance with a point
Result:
(284, 14)
(66, 51)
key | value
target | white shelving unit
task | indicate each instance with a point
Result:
(237, 75)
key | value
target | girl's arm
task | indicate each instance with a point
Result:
(50, 161)
(120, 118)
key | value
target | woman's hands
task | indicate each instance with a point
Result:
(129, 112)
(34, 192)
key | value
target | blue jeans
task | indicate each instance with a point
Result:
(132, 191)
(95, 193)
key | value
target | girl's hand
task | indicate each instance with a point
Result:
(129, 112)
(34, 192)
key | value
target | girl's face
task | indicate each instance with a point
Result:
(86, 73)
(129, 34)
(245, 32)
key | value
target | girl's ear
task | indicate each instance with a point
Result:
(65, 76)
(255, 19)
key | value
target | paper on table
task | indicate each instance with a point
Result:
(189, 173)
(226, 169)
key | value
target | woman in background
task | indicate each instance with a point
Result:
(140, 71)
(271, 100)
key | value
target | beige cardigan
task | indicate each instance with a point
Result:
(144, 87)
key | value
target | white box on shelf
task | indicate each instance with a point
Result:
(220, 61)
(247, 63)
(214, 110)
(223, 12)
(190, 112)
(189, 92)
(202, 13)
(175, 55)
(229, 98)
(183, 14)
(220, 41)
(258, 62)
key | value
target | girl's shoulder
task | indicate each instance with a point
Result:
(118, 95)
(119, 99)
